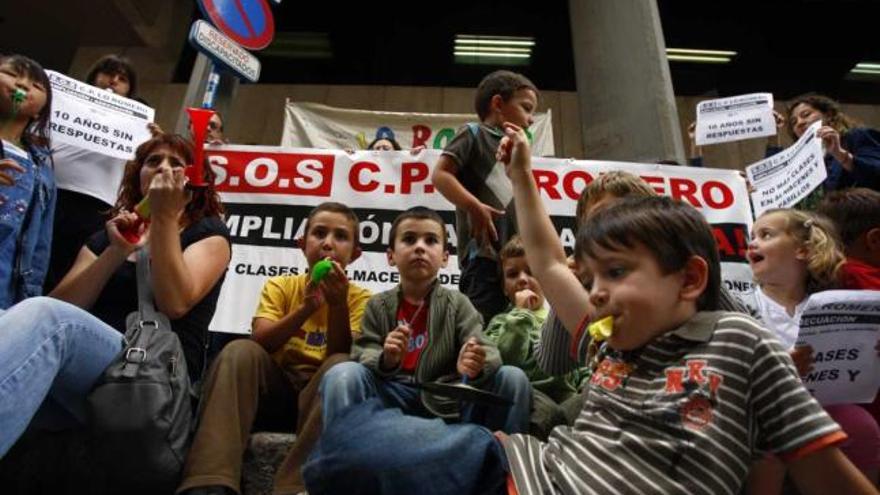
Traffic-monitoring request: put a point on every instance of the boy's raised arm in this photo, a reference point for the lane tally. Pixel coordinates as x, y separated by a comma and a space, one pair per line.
829, 471
544, 252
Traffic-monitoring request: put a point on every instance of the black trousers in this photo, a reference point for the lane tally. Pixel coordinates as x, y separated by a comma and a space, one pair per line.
481, 283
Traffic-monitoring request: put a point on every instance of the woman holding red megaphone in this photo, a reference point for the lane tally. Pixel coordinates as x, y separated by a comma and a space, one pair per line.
188, 241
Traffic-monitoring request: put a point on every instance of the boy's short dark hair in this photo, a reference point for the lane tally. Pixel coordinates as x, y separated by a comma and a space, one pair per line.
335, 207
500, 82
616, 183
853, 211
672, 230
114, 64
417, 213
513, 249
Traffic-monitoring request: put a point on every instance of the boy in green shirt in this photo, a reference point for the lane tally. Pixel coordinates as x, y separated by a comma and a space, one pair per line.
517, 332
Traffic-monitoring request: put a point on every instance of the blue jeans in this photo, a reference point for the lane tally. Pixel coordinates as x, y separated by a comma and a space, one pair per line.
371, 449
350, 383
51, 354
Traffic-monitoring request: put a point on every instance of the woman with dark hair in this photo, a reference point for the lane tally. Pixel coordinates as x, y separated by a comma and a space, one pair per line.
115, 73
852, 153
27, 183
52, 351
384, 143
87, 180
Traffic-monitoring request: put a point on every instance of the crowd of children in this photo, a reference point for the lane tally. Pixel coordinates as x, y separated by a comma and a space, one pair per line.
503, 386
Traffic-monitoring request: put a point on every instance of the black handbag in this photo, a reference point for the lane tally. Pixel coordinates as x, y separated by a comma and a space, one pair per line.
141, 409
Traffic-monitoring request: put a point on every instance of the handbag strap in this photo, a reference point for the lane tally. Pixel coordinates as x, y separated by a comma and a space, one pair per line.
145, 288
148, 311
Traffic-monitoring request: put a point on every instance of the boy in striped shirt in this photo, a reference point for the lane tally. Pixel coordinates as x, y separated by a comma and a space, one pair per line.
683, 396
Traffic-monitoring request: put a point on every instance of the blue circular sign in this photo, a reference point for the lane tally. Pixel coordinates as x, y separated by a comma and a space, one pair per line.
248, 22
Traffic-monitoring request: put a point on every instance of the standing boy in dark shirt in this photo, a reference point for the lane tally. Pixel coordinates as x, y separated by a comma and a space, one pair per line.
468, 175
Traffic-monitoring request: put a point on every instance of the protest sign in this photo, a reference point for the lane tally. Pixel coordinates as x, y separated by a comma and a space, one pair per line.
96, 120
735, 118
789, 176
842, 326
268, 193
312, 125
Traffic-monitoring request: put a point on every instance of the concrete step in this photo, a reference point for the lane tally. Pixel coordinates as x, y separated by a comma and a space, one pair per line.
264, 454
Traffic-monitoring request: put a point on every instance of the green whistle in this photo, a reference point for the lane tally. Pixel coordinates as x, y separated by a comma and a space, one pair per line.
321, 269
18, 97
143, 208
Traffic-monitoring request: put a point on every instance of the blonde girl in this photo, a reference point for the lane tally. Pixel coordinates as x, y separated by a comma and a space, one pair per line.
793, 254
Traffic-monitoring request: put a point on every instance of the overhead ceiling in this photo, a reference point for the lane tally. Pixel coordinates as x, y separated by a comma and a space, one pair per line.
785, 47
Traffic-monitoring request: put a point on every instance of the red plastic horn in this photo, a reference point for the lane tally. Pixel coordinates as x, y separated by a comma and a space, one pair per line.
199, 118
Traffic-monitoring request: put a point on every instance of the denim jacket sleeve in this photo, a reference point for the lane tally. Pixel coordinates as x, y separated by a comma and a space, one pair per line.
43, 224
27, 217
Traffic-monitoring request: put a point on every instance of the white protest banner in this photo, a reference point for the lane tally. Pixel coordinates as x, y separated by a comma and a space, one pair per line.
735, 118
97, 120
787, 177
842, 326
312, 125
269, 191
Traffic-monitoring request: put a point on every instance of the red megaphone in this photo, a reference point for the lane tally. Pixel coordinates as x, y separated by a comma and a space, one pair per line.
199, 118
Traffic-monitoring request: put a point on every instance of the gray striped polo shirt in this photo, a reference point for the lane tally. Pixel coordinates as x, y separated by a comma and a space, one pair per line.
686, 414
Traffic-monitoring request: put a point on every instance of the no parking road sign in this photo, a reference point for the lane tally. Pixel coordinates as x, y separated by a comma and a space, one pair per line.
248, 22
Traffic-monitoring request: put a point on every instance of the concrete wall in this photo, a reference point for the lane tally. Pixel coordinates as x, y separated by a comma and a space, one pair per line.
257, 114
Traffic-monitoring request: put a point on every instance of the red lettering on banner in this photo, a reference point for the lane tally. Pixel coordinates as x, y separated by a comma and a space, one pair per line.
547, 180
709, 194
726, 194
741, 242
411, 173
724, 246
274, 173
568, 183
421, 134
684, 188
356, 173
731, 240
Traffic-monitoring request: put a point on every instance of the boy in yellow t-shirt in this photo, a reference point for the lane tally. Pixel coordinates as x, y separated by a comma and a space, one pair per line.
300, 330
